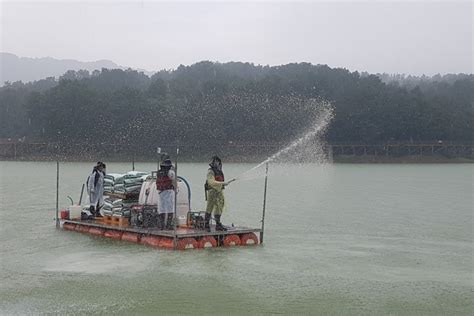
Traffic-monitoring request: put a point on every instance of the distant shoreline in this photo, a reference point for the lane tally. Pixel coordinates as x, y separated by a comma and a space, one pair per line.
401, 153
340, 159
414, 159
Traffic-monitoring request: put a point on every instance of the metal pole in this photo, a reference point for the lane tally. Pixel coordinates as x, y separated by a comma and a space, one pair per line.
175, 224
159, 157
57, 194
264, 202
82, 192
133, 162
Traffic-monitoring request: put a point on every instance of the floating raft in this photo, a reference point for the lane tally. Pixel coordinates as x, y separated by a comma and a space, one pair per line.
185, 238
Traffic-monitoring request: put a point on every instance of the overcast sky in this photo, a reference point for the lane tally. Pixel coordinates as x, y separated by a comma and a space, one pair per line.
412, 37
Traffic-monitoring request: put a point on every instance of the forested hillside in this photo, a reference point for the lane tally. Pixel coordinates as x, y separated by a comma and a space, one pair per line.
238, 102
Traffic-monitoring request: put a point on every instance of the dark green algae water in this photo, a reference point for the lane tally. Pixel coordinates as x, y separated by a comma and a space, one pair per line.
340, 239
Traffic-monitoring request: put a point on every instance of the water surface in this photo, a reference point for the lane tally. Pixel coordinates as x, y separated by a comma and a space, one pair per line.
339, 239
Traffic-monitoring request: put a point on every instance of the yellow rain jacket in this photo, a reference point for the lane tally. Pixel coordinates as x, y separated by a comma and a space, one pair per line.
215, 196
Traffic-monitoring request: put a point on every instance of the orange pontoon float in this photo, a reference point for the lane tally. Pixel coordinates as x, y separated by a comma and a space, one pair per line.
182, 238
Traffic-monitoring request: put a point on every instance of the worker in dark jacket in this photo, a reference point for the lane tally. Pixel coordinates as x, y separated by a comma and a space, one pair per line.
166, 184
95, 188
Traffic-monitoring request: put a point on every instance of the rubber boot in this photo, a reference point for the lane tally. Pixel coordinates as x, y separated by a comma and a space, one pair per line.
219, 225
162, 221
92, 210
97, 212
207, 219
169, 222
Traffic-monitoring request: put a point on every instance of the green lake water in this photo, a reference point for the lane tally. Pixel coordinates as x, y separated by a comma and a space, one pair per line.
339, 239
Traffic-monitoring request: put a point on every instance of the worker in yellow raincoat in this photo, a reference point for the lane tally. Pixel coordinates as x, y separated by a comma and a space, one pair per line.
215, 185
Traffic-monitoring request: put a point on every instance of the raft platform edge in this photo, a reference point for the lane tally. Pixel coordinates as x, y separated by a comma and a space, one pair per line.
180, 232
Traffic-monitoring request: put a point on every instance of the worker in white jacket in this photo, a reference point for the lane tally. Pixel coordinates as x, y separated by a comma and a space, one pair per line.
95, 188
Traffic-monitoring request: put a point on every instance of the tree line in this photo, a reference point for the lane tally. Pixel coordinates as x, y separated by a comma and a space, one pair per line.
218, 103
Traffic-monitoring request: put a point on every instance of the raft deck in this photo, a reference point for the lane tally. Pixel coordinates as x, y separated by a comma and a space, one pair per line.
181, 232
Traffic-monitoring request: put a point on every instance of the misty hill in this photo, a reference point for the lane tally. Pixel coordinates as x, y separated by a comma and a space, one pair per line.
212, 104
14, 68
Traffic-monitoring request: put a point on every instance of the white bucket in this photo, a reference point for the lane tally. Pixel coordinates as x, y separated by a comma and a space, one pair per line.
75, 211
